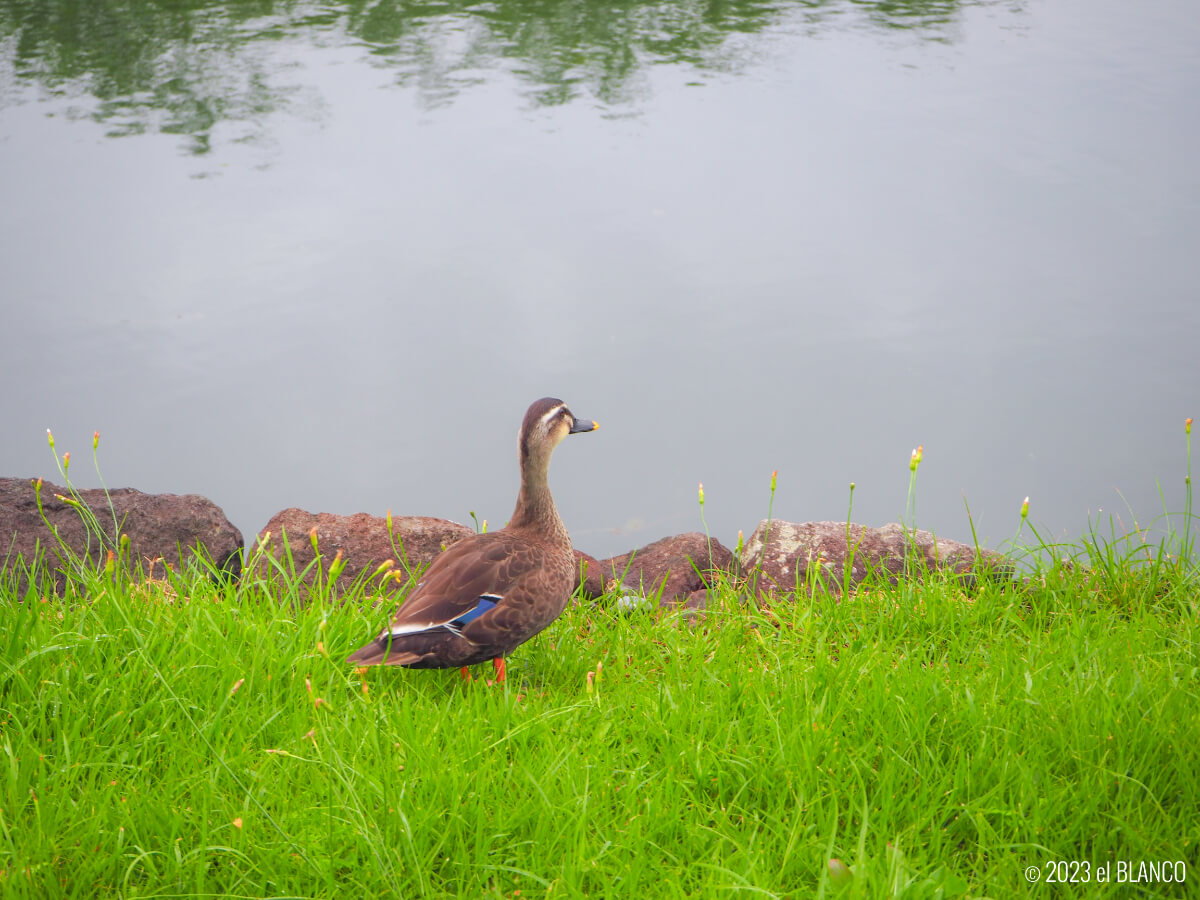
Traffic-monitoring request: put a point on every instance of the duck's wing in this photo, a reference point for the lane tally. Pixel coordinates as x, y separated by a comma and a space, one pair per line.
475, 584
480, 568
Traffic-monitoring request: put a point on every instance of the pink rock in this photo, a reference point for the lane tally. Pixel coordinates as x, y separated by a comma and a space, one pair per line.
172, 527
679, 565
364, 541
783, 556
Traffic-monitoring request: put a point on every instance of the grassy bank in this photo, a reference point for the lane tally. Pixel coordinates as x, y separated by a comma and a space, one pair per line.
180, 737
184, 739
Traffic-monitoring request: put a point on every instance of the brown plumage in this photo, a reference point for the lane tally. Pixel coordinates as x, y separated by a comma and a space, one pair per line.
491, 592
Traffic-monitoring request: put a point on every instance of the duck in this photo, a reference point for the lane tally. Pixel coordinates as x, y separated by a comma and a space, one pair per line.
489, 593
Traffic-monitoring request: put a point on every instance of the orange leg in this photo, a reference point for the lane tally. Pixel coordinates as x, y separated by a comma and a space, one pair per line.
498, 665
466, 675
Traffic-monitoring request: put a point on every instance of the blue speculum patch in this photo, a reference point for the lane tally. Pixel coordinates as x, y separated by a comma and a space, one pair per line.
485, 603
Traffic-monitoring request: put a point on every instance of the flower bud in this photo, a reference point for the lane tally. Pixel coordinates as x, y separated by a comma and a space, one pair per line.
1025, 508
95, 439
702, 493
1187, 425
50, 438
839, 873
916, 458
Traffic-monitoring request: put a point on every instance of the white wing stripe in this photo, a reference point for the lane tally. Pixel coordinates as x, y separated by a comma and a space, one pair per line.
452, 625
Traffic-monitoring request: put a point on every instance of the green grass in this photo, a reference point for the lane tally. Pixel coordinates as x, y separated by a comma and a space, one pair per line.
183, 737
938, 743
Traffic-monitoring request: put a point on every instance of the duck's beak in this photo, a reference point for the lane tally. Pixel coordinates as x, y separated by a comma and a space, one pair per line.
583, 425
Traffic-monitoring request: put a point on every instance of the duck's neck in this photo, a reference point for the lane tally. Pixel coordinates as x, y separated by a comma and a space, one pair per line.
535, 506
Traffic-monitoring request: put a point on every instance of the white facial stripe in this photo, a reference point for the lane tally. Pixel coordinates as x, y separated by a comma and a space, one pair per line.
551, 414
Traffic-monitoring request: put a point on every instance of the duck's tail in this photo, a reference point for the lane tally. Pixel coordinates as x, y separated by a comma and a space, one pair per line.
434, 648
382, 652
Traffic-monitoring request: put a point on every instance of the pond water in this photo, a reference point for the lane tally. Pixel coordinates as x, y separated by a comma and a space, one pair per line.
324, 254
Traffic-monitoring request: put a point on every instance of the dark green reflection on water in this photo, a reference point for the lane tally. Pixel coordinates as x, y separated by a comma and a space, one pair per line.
183, 66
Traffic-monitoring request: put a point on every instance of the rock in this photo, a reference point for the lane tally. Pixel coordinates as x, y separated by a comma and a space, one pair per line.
695, 607
633, 601
791, 554
591, 575
679, 565
173, 527
362, 539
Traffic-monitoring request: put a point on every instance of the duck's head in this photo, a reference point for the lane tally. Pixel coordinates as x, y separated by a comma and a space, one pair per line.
546, 423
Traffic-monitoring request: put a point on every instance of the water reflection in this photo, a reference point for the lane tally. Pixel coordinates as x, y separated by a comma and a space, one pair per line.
186, 66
